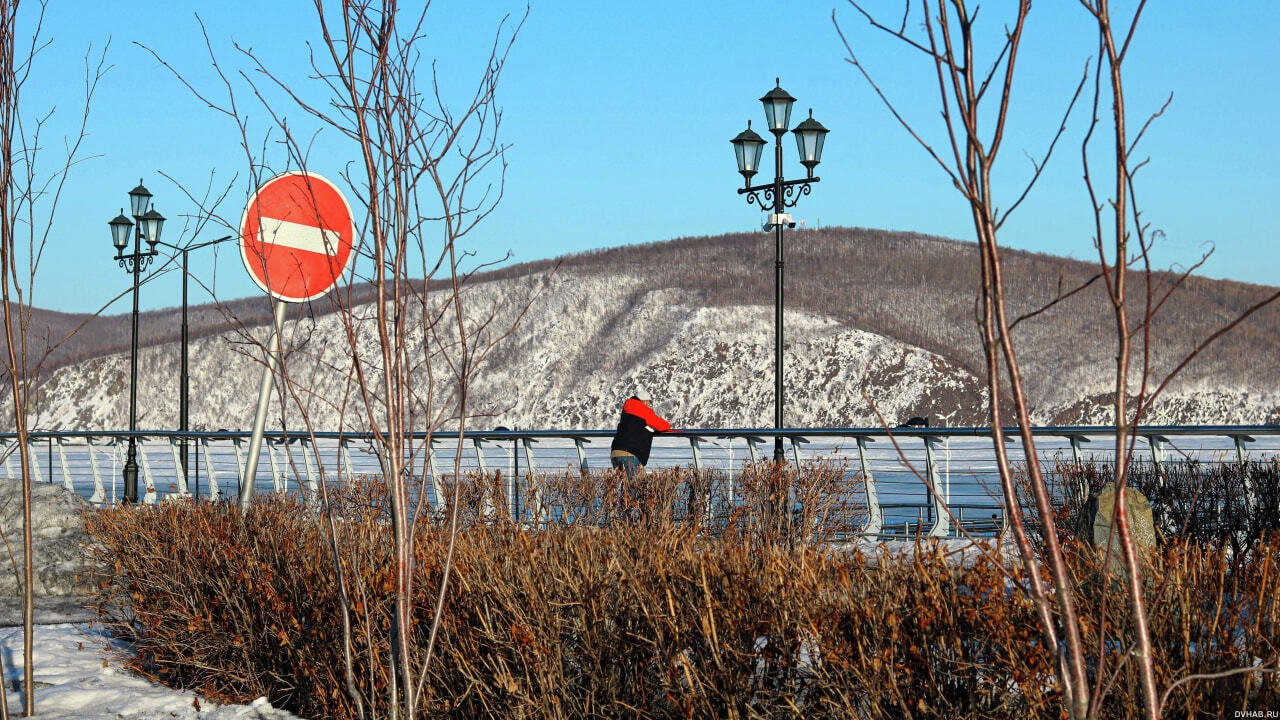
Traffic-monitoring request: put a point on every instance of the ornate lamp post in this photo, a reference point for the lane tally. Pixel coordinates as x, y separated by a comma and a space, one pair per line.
778, 196
146, 223
184, 376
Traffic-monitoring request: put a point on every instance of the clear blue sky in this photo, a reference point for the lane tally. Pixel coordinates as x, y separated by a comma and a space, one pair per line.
619, 117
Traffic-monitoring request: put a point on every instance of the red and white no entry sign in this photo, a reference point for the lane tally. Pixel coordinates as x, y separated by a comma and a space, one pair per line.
296, 236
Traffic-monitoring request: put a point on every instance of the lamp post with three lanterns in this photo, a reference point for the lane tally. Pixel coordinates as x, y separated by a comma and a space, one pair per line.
146, 223
777, 196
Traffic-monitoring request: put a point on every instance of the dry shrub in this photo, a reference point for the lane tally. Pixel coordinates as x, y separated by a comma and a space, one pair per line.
237, 607
1217, 504
762, 502
1208, 613
648, 618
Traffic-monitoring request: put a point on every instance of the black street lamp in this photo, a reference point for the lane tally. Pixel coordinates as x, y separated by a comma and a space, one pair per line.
184, 381
778, 196
146, 223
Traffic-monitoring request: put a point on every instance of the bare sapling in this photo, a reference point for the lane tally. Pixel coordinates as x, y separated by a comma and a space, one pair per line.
1115, 270
1120, 217
973, 137
421, 170
30, 188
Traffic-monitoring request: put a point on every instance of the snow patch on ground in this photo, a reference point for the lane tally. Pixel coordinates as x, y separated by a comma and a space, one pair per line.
79, 668
79, 675
57, 532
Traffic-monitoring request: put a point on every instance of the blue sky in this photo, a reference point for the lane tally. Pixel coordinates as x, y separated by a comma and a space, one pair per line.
619, 117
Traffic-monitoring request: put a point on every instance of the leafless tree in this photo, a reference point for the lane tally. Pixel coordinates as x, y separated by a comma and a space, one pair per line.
975, 142
976, 97
424, 171
30, 188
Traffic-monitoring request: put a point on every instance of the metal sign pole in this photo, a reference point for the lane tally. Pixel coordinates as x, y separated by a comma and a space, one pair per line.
264, 399
297, 239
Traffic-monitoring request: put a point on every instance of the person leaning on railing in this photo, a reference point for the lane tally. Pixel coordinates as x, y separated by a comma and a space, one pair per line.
634, 437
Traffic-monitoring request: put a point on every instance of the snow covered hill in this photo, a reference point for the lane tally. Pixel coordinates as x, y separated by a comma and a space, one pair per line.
584, 344
875, 322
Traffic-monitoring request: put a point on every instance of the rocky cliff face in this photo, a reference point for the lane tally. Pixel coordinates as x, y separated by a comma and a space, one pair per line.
583, 345
592, 341
879, 328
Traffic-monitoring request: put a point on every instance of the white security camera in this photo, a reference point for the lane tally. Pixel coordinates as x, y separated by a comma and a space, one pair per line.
776, 219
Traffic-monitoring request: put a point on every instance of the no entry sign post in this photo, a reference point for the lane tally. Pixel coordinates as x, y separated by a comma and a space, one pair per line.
296, 241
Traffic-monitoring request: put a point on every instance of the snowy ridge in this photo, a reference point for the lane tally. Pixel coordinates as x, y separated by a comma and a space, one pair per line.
587, 339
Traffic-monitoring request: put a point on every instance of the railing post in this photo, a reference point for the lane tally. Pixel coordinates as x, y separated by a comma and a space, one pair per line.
1242, 457
476, 444
539, 508
796, 442
532, 467
1157, 448
487, 509
730, 488
215, 491
875, 514
513, 481
437, 486
66, 469
794, 507
942, 521
277, 479
118, 461
291, 466
36, 476
695, 446
580, 444
195, 490
1157, 443
180, 478
238, 443
309, 462
1076, 455
99, 492
151, 495
753, 447
348, 472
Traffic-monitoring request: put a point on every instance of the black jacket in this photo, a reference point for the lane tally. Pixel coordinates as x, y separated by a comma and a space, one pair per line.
632, 436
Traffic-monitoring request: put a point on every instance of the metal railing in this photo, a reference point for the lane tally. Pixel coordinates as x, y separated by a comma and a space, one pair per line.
908, 478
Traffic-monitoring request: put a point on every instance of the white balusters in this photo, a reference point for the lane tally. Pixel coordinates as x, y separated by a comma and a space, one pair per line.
875, 514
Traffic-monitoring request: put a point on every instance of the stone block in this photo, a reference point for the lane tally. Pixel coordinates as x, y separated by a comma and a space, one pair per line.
1096, 525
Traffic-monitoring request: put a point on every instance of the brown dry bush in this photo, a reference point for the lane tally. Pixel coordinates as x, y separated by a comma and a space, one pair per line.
1208, 614
821, 503
653, 619
1217, 504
